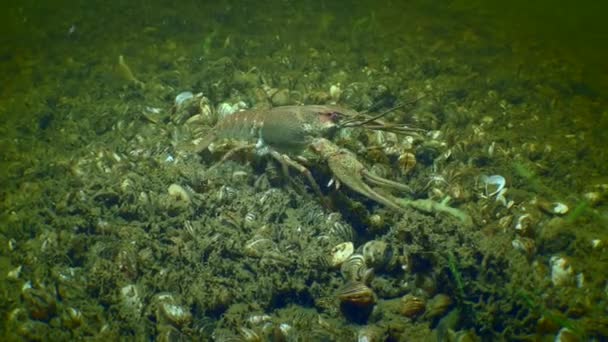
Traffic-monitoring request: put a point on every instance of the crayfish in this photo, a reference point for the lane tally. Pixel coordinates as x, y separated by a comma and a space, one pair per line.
287, 133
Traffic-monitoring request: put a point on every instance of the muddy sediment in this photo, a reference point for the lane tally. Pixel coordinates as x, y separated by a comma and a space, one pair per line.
113, 226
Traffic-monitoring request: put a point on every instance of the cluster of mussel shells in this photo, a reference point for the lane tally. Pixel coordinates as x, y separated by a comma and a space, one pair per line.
358, 269
192, 108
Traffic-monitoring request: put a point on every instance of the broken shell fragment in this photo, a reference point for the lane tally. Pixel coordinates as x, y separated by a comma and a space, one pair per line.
341, 253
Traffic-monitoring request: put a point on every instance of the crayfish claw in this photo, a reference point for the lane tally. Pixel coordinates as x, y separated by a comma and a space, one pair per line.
348, 170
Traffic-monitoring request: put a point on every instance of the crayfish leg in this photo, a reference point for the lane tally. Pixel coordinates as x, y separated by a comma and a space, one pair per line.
288, 162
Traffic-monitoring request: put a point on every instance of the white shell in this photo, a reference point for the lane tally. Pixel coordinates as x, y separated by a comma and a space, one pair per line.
131, 299
375, 253
14, 273
335, 92
493, 184
183, 97
207, 112
258, 246
341, 253
560, 208
562, 273
241, 105
174, 313
179, 193
224, 109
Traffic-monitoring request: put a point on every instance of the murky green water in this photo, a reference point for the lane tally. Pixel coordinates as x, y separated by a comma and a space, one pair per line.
117, 222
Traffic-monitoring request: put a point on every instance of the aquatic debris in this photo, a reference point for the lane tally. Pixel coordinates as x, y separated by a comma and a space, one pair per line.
430, 206
493, 184
125, 71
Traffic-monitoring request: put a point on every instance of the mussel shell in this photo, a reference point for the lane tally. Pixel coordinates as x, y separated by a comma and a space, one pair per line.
357, 294
378, 254
355, 269
438, 306
342, 232
412, 306
340, 253
357, 301
371, 333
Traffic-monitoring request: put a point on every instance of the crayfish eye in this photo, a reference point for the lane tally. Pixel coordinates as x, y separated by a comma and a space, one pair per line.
332, 117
